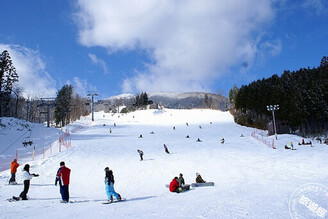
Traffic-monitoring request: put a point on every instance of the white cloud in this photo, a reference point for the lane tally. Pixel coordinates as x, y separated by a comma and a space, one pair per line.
191, 43
81, 86
34, 80
98, 61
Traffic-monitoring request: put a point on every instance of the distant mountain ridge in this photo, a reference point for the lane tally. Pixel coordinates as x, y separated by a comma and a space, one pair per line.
187, 100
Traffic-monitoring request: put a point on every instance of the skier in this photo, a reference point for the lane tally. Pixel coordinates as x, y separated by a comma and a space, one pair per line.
27, 176
109, 182
174, 185
140, 154
187, 124
63, 175
199, 178
166, 149
291, 145
110, 130
173, 127
181, 180
222, 140
140, 136
187, 136
200, 127
13, 170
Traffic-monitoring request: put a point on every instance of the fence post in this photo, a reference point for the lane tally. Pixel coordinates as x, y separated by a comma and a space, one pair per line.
50, 149
43, 152
33, 153
16, 154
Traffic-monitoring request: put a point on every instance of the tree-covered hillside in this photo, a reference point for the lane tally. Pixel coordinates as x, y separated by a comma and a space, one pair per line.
302, 96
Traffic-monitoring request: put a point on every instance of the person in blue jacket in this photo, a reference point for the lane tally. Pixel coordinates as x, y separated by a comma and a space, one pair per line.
109, 182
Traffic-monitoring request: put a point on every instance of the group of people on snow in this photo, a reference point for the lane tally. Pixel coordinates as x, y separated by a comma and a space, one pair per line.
63, 177
178, 183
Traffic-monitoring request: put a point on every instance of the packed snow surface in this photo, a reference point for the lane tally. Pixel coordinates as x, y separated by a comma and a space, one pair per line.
251, 179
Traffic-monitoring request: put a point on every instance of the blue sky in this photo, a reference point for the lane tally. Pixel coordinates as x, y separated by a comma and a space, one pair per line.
114, 47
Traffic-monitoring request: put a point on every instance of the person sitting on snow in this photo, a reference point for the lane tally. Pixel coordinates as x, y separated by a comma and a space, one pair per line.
199, 178
198, 140
181, 180
174, 185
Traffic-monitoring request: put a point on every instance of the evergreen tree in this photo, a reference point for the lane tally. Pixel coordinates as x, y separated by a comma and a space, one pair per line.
232, 94
63, 105
8, 76
324, 61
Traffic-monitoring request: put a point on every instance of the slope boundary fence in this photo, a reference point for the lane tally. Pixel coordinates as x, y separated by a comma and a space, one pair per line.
259, 136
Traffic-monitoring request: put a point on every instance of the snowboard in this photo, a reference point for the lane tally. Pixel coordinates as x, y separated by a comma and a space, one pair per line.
202, 184
185, 188
13, 199
167, 185
182, 188
114, 201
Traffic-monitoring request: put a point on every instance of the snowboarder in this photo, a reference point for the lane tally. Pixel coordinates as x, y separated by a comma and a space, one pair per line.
222, 140
27, 176
291, 145
13, 170
181, 180
110, 130
140, 136
152, 132
198, 140
166, 149
199, 178
140, 154
286, 147
114, 124
63, 175
174, 185
187, 136
200, 127
173, 127
187, 124
109, 182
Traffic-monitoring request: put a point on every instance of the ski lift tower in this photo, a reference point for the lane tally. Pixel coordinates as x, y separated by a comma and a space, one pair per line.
273, 108
49, 103
92, 94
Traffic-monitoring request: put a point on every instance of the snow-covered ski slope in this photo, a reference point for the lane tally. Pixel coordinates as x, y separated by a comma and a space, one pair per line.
251, 179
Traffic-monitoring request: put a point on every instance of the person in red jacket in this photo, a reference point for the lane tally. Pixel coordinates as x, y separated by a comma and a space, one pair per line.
174, 185
63, 174
13, 170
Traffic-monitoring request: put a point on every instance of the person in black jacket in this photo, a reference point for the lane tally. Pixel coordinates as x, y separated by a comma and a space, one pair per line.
109, 182
166, 149
140, 154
